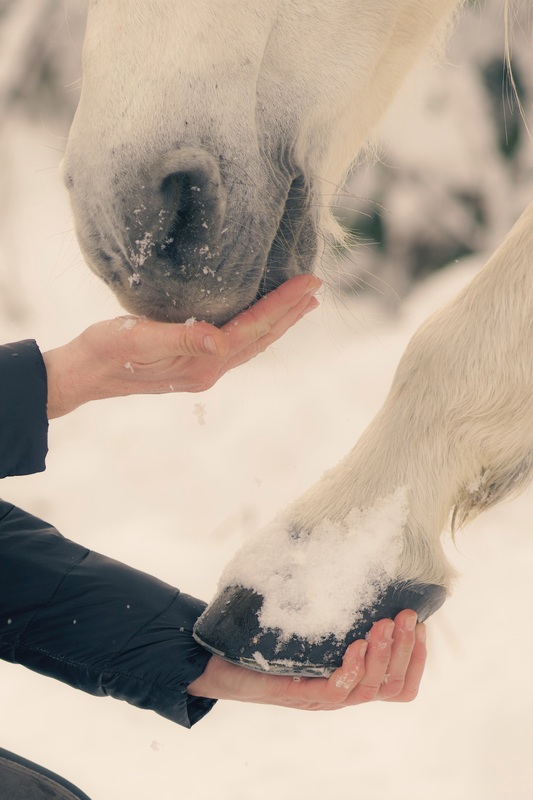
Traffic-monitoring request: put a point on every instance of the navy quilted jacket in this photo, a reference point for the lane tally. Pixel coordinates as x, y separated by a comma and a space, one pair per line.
71, 613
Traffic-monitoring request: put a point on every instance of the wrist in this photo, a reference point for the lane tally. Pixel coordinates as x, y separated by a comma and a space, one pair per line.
72, 379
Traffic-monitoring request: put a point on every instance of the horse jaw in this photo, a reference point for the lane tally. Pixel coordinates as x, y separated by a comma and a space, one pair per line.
282, 110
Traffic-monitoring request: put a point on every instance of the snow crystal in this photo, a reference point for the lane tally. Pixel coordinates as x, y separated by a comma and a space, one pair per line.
128, 323
190, 322
134, 278
346, 680
145, 246
127, 365
314, 583
261, 660
200, 412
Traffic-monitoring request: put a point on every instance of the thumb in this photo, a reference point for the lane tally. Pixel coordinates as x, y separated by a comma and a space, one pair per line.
196, 339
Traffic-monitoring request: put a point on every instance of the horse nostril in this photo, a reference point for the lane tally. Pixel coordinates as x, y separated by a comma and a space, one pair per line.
191, 204
186, 209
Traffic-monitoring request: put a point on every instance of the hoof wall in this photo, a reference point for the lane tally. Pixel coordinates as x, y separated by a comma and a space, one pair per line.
230, 628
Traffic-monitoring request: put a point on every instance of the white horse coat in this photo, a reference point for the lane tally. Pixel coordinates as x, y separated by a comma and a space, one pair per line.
201, 162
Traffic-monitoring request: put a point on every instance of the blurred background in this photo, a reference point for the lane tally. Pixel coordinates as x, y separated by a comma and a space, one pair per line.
177, 491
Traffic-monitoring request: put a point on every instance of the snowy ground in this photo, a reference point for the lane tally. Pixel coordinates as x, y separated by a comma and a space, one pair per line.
143, 480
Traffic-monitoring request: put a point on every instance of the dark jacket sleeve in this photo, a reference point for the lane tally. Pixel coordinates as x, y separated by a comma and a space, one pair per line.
94, 623
23, 420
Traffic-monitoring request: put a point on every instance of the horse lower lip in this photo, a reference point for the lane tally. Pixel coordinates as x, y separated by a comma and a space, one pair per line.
230, 628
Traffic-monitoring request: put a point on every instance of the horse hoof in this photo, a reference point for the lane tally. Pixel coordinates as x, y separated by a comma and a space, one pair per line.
230, 628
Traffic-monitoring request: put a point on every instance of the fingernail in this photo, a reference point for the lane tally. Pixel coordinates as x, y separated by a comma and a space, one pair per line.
209, 345
362, 649
410, 622
388, 631
315, 285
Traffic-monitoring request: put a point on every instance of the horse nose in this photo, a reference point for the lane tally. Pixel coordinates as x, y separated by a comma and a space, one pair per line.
187, 209
230, 628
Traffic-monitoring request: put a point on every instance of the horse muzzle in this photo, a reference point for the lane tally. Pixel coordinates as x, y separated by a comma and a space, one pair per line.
181, 237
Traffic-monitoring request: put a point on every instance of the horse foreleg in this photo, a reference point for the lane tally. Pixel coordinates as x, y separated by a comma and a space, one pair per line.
454, 436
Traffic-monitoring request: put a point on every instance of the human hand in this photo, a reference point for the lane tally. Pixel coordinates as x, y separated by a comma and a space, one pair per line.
132, 355
388, 666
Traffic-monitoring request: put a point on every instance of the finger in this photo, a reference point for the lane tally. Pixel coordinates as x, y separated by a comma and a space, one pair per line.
402, 648
287, 295
344, 680
258, 320
245, 354
264, 322
376, 662
308, 303
199, 339
415, 669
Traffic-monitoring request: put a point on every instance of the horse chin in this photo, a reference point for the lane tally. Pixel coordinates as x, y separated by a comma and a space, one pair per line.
164, 291
209, 300
175, 305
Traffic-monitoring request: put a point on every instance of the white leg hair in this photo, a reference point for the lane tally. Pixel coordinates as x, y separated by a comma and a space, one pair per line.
457, 427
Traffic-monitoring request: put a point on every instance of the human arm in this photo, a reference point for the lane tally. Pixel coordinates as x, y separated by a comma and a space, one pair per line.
111, 630
131, 355
108, 629
94, 623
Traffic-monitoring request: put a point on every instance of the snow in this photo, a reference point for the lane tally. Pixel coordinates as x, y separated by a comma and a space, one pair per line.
261, 660
128, 323
177, 500
307, 580
200, 412
145, 246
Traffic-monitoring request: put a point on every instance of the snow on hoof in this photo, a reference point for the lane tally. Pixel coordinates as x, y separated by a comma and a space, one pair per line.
230, 628
295, 596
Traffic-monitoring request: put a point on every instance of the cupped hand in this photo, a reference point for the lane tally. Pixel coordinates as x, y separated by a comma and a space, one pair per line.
132, 355
387, 666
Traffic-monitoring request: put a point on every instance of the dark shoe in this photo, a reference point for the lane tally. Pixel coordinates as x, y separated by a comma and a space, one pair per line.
23, 780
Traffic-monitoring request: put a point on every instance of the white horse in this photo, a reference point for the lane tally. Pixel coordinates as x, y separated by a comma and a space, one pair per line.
200, 164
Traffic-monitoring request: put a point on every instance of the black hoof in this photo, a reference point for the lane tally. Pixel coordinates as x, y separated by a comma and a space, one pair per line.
230, 628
